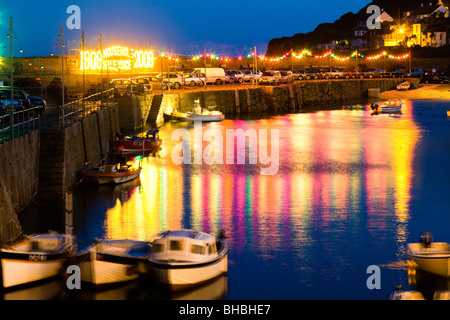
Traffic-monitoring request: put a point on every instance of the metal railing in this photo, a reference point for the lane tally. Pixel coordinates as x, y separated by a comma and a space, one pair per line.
71, 112
24, 121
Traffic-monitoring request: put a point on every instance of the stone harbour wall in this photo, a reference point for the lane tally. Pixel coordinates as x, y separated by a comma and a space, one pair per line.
19, 168
285, 98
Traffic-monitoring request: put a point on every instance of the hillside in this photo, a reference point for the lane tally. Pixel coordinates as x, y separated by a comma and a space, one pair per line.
339, 29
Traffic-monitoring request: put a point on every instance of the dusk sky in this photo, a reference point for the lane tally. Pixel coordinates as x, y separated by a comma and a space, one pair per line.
229, 27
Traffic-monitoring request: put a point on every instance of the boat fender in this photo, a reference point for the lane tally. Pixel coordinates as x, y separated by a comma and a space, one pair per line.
426, 239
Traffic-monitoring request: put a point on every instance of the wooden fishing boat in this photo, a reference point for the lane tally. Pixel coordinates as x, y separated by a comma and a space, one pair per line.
111, 261
388, 107
35, 257
185, 258
429, 256
111, 174
404, 86
147, 142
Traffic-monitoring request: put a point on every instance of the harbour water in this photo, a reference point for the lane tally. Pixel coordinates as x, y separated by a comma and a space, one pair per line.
351, 190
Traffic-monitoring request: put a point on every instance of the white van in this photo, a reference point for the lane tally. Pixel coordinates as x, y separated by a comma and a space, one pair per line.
213, 75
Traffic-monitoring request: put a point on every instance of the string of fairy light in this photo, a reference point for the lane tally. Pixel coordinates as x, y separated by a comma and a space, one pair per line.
226, 58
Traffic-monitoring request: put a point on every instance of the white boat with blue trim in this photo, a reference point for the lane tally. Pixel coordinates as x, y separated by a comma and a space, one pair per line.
35, 257
111, 261
185, 258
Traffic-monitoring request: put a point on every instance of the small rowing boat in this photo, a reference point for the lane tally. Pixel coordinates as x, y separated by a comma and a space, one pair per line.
404, 86
388, 107
429, 256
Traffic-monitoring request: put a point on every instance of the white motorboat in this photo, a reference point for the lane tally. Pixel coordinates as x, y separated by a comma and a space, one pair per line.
35, 257
112, 261
404, 86
429, 256
185, 258
387, 107
207, 116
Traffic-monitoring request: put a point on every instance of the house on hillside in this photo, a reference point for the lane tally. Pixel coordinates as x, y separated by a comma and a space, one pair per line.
437, 35
429, 9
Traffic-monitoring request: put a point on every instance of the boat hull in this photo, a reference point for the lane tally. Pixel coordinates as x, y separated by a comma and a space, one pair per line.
99, 269
20, 270
110, 177
179, 276
111, 264
430, 259
206, 118
34, 258
136, 145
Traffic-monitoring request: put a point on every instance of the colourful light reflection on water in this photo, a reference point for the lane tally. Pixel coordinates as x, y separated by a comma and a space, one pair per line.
343, 175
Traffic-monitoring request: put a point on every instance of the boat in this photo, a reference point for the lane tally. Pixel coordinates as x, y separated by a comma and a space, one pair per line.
448, 113
178, 116
35, 257
388, 107
407, 295
186, 258
111, 174
108, 262
404, 86
429, 256
147, 142
207, 116
198, 114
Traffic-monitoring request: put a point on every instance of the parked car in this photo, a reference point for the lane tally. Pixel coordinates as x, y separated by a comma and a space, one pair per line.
248, 75
299, 74
152, 81
235, 75
352, 74
193, 80
434, 78
333, 73
415, 73
213, 75
126, 85
313, 73
5, 98
286, 76
172, 80
19, 95
270, 77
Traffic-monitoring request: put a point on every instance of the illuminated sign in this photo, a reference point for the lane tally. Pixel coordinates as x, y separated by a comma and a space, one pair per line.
116, 58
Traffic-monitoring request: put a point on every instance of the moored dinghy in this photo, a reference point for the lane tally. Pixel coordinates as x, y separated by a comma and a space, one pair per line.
185, 258
388, 107
35, 257
111, 261
404, 86
429, 256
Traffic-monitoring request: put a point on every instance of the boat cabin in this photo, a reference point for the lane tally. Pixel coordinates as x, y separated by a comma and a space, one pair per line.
185, 245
